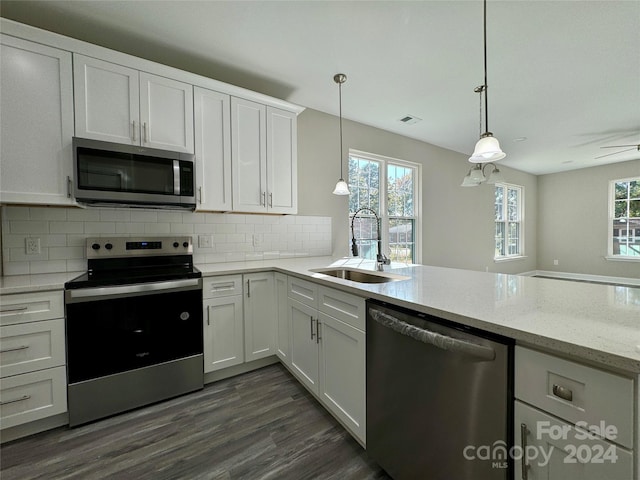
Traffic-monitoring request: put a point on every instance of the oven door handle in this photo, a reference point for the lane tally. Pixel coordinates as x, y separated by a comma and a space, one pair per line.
122, 291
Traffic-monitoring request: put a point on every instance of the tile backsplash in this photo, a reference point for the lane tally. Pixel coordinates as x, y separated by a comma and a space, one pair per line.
56, 236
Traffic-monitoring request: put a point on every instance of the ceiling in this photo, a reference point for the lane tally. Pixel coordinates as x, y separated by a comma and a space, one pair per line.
565, 75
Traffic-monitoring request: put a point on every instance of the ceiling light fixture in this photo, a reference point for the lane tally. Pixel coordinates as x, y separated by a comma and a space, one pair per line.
488, 148
341, 187
477, 175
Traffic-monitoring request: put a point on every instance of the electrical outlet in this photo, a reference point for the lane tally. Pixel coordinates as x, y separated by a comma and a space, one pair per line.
257, 239
204, 241
32, 246
555, 262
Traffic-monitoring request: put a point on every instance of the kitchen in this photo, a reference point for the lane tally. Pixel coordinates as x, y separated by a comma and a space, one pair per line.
442, 201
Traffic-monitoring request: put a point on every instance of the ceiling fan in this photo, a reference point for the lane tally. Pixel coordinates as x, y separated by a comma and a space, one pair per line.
633, 147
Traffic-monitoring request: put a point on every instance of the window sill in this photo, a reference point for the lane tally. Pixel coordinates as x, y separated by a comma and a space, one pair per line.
509, 259
619, 258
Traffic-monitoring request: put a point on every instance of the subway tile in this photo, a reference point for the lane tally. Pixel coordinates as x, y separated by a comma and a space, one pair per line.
190, 217
76, 240
214, 218
246, 228
157, 228
236, 218
48, 214
10, 240
15, 268
253, 256
55, 240
48, 267
181, 228
235, 257
21, 226
67, 227
115, 215
170, 217
88, 214
203, 228
215, 258
309, 228
94, 228
130, 228
144, 216
19, 254
76, 265
11, 212
224, 228
66, 253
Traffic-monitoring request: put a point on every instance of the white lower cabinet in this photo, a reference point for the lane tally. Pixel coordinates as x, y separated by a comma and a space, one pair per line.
259, 316
223, 322
283, 342
33, 383
327, 331
571, 421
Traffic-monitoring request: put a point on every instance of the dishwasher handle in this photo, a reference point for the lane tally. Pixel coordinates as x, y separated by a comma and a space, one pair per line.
438, 340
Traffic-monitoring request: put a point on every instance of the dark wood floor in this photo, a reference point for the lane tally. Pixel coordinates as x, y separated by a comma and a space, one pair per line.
260, 425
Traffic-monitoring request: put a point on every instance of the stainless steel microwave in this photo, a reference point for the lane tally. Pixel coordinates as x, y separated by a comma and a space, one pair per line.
116, 174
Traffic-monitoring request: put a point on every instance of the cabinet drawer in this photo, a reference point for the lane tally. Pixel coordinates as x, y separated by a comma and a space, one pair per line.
343, 306
31, 346
225, 286
303, 291
576, 392
32, 396
30, 307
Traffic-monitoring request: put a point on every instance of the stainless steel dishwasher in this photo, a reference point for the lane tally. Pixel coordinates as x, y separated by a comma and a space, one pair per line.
439, 397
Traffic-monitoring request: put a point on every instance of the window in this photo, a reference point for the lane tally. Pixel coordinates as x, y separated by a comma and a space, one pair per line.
508, 217
389, 187
624, 218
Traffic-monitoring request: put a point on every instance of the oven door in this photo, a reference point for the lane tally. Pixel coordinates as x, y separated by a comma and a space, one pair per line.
122, 328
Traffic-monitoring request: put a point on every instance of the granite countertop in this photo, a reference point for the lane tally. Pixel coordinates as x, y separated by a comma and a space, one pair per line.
593, 322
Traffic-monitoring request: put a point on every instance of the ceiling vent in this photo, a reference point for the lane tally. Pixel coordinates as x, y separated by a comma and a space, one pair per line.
410, 119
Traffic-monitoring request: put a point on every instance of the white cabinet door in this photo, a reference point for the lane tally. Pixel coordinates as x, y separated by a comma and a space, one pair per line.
304, 344
213, 149
248, 151
557, 451
223, 333
283, 341
107, 101
282, 161
342, 372
36, 123
259, 316
166, 113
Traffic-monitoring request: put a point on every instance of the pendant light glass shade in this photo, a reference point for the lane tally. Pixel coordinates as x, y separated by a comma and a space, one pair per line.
341, 188
487, 150
495, 177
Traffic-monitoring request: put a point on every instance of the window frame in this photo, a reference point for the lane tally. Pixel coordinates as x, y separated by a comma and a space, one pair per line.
384, 161
611, 216
506, 222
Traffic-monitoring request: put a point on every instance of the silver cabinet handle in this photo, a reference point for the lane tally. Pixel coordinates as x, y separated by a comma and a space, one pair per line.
14, 349
271, 199
208, 314
249, 288
432, 338
21, 399
311, 325
144, 131
318, 330
21, 308
562, 392
133, 130
523, 439
201, 196
69, 182
264, 199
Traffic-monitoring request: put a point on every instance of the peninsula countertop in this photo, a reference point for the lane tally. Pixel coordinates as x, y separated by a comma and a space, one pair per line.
594, 322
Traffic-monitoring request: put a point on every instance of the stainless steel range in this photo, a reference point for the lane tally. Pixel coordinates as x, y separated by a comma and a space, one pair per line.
133, 326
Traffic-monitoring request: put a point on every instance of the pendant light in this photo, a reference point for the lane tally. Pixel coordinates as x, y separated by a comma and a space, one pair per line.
488, 148
341, 187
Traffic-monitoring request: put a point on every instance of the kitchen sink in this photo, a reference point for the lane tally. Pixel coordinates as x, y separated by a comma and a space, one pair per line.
360, 276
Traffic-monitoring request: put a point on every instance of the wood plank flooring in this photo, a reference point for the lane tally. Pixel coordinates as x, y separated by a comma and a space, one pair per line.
260, 425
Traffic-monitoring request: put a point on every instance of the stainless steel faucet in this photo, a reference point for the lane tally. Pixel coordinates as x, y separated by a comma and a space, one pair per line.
381, 259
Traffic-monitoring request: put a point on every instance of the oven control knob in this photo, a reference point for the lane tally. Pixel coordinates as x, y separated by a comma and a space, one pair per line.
185, 244
96, 246
175, 244
108, 246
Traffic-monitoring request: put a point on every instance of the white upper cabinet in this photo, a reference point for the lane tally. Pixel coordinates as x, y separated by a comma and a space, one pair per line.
282, 161
119, 104
264, 153
213, 149
37, 123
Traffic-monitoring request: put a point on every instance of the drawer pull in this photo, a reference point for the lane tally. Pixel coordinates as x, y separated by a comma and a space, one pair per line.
21, 308
15, 400
14, 349
562, 392
524, 431
223, 287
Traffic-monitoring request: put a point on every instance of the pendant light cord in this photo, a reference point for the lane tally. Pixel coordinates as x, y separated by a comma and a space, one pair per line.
341, 147
486, 95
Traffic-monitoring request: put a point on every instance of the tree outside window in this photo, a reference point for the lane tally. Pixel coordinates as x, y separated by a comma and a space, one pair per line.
390, 188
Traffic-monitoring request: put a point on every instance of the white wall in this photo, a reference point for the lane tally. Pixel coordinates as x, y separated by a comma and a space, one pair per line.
457, 222
573, 221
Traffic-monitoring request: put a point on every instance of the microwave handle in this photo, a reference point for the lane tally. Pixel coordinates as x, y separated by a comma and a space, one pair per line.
176, 177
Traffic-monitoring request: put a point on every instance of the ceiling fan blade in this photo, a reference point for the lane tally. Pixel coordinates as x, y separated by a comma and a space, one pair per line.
619, 146
616, 153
